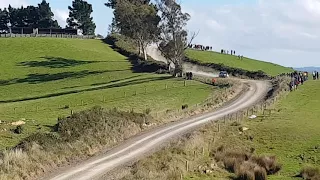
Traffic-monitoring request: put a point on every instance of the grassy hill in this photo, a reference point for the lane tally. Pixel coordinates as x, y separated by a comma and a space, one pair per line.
291, 133
233, 61
43, 78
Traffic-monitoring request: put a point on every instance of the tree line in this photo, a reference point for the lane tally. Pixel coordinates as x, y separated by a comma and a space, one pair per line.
162, 22
41, 16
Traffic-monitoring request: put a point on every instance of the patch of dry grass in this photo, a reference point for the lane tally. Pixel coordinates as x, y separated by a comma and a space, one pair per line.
246, 165
310, 173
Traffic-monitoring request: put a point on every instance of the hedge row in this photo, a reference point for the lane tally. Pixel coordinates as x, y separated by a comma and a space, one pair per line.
237, 72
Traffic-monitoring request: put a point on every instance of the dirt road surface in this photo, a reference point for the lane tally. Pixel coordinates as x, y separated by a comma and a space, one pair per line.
138, 146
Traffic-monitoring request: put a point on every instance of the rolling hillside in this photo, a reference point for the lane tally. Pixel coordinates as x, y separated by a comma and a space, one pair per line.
43, 78
233, 61
291, 133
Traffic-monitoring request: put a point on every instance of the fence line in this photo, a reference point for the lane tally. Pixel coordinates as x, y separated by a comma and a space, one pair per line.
102, 100
48, 35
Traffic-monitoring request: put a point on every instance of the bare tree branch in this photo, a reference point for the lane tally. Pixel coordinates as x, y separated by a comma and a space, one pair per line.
193, 36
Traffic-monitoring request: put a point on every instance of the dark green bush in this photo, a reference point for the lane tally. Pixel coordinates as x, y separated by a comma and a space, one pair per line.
18, 130
185, 106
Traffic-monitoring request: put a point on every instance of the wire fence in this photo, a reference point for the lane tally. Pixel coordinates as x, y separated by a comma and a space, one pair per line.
218, 97
102, 100
48, 35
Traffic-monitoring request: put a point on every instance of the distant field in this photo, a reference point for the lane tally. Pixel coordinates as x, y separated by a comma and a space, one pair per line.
43, 78
233, 61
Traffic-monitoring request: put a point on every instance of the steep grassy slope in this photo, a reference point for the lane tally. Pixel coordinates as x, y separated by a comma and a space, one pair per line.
233, 61
42, 79
291, 133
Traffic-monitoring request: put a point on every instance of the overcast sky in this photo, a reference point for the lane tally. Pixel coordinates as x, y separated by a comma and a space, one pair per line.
286, 32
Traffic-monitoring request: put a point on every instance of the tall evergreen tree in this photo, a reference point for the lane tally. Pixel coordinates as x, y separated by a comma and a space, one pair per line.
46, 16
31, 16
4, 19
80, 17
13, 16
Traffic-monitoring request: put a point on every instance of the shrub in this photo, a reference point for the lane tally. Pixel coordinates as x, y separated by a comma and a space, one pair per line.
245, 174
232, 164
147, 111
310, 173
18, 130
269, 163
185, 106
246, 166
260, 173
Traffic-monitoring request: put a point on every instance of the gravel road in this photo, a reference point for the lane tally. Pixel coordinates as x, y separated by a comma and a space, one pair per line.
140, 145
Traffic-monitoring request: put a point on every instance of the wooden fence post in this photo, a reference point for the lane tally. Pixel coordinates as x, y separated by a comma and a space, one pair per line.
187, 165
202, 151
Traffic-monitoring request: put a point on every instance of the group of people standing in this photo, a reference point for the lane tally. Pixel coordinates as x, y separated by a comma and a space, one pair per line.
315, 75
232, 52
297, 78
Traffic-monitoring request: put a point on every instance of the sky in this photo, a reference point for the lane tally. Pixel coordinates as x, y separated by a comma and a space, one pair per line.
285, 32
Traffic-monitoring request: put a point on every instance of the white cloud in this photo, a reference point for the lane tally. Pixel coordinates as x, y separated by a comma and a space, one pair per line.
285, 32
13, 3
61, 16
